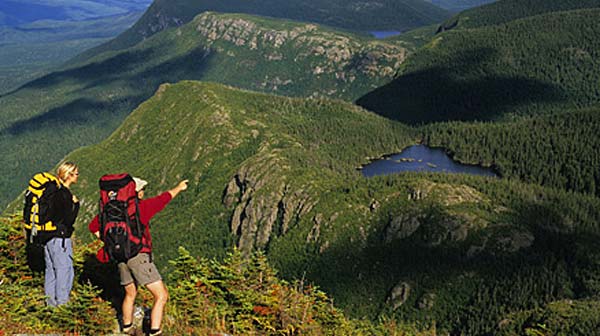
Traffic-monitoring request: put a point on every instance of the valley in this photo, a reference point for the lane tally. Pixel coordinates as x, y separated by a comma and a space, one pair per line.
38, 37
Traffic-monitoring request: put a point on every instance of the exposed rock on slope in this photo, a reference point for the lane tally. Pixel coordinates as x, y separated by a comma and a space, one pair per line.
344, 56
263, 202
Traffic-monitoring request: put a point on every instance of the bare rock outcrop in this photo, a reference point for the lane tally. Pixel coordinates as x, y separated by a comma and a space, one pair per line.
339, 55
263, 201
447, 194
512, 240
398, 295
402, 226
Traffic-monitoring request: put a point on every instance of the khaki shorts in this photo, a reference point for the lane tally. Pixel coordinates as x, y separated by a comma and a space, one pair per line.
139, 269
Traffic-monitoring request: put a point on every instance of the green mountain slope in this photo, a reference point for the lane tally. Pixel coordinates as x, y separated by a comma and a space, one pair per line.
47, 118
560, 151
545, 63
355, 15
454, 252
504, 11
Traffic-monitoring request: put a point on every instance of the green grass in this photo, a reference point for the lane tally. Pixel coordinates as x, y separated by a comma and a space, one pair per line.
236, 295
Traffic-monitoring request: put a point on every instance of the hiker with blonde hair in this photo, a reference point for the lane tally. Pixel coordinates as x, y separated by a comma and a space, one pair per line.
58, 251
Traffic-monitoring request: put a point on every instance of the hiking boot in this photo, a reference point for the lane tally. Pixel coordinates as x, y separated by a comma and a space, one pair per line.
130, 330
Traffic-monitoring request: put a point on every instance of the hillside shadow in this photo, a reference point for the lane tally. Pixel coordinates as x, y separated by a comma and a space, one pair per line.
87, 110
80, 112
462, 89
557, 265
111, 67
104, 277
189, 66
127, 67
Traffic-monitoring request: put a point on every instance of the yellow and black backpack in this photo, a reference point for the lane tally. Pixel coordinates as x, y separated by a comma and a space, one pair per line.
38, 200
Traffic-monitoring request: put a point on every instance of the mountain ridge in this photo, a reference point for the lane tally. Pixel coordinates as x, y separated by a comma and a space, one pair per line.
354, 15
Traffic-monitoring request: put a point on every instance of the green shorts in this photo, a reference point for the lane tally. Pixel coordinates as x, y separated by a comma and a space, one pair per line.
139, 269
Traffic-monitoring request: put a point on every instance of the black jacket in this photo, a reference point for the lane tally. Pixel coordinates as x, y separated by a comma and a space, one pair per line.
63, 212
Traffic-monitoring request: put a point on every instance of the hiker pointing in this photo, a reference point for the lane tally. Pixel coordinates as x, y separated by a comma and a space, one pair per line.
123, 225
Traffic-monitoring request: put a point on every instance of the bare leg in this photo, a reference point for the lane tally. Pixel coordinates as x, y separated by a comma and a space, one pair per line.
159, 291
128, 301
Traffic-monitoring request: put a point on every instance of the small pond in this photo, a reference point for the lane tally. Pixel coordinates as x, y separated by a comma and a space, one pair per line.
384, 34
421, 158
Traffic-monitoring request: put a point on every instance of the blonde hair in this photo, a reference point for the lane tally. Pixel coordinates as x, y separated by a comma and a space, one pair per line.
65, 169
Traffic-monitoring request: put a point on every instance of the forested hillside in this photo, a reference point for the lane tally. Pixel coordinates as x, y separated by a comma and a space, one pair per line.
546, 63
47, 118
459, 254
504, 11
278, 223
356, 15
560, 151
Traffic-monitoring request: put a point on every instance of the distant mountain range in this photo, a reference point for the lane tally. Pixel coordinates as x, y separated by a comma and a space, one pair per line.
18, 12
536, 73
37, 35
356, 15
279, 170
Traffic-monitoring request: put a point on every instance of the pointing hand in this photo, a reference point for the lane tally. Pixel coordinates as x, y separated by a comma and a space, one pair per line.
183, 185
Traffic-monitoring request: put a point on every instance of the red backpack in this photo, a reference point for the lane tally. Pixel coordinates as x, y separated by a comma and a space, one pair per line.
120, 227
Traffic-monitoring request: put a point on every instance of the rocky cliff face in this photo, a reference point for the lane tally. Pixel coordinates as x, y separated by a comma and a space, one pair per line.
263, 202
339, 55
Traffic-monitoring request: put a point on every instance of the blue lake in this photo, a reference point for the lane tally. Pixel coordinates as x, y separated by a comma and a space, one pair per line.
420, 158
384, 34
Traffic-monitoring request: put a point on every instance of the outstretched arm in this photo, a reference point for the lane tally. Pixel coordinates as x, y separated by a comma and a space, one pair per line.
179, 188
150, 207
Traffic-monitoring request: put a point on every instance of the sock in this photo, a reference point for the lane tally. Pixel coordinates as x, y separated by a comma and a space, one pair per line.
155, 332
